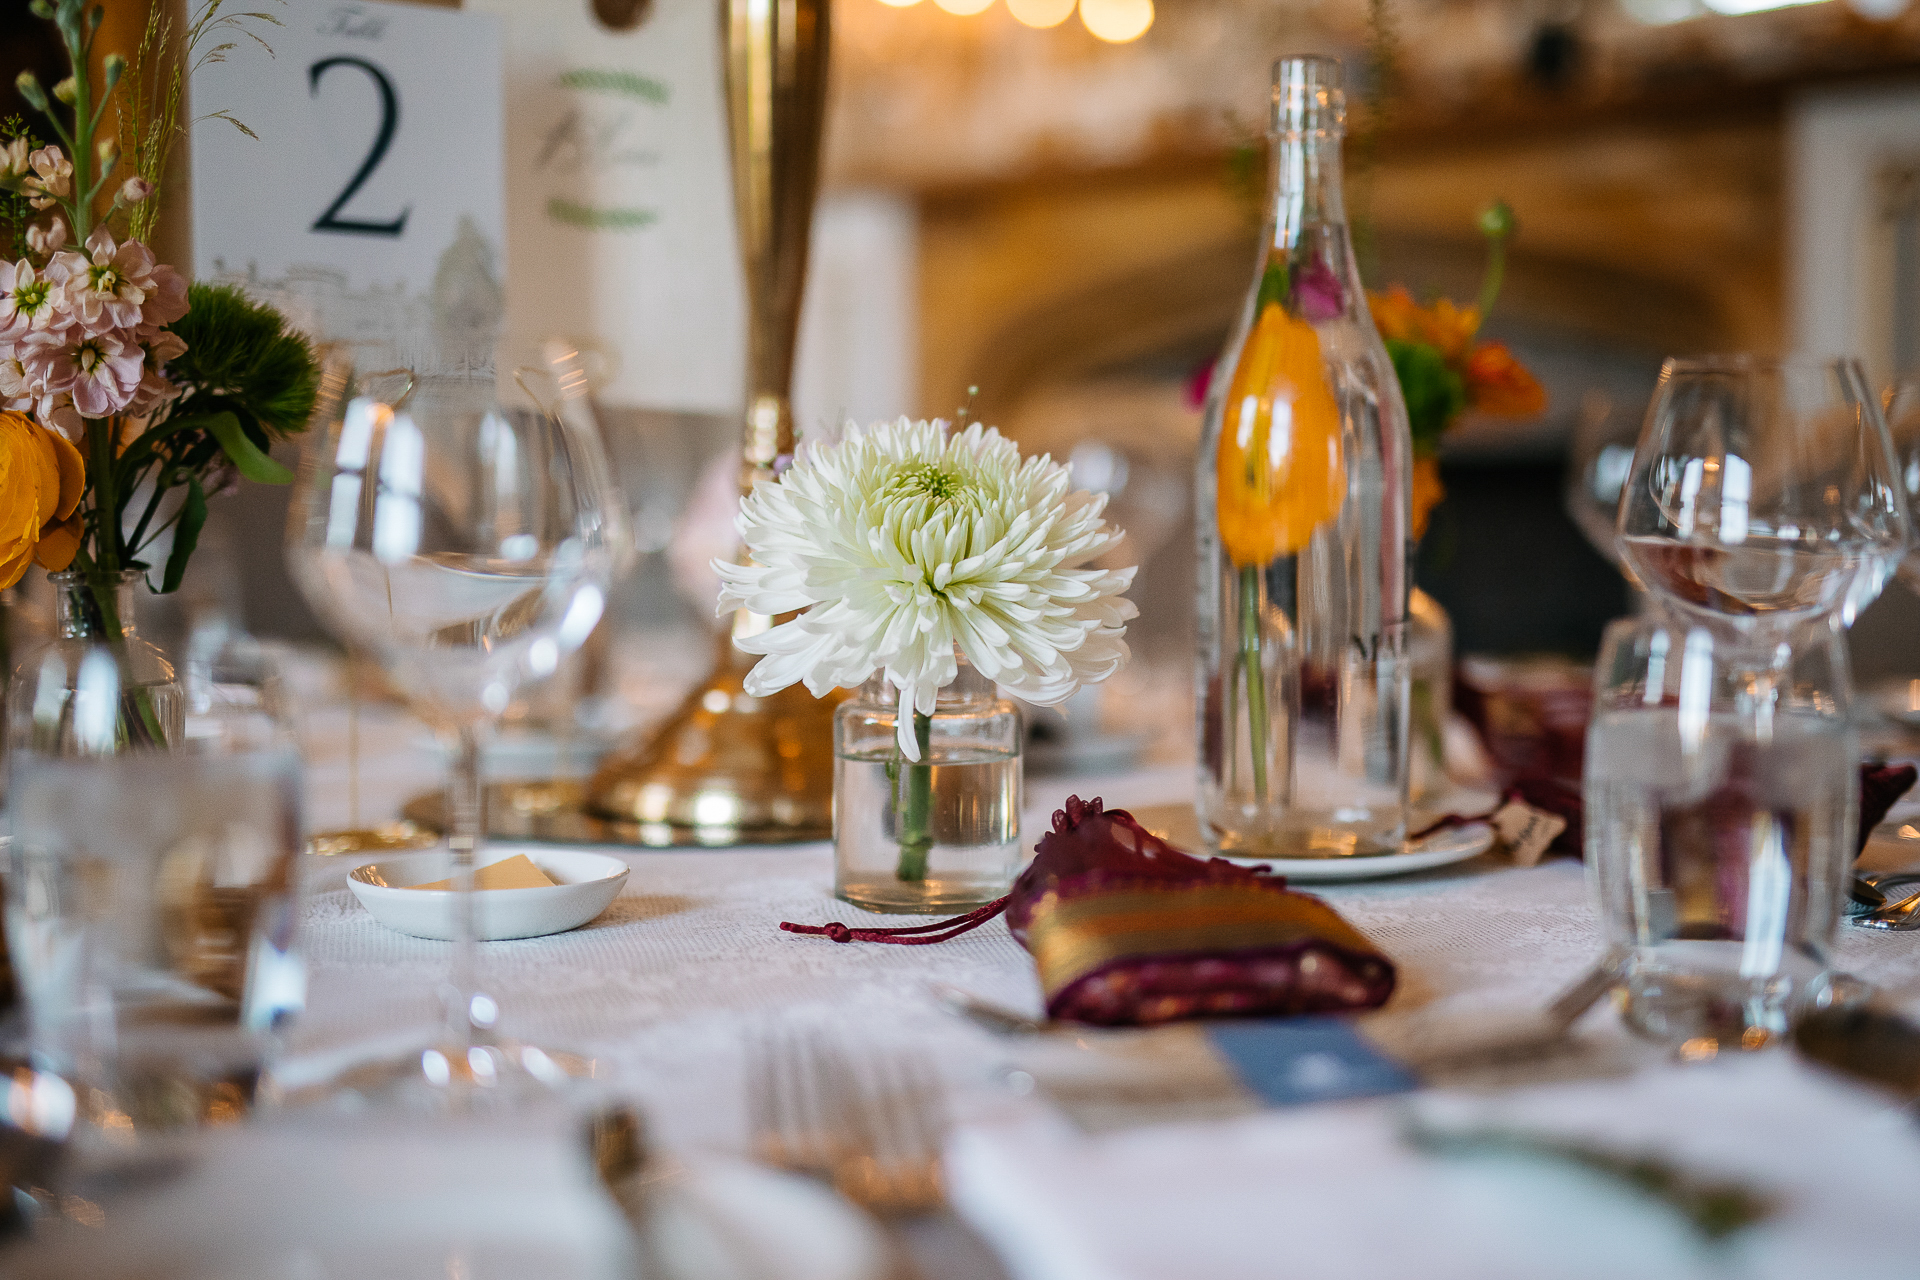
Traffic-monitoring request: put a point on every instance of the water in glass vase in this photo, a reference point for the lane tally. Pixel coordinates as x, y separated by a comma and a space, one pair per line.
938, 837
1720, 859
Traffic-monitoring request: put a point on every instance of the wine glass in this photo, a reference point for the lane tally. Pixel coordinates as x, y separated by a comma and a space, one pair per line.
1902, 402
1763, 494
463, 531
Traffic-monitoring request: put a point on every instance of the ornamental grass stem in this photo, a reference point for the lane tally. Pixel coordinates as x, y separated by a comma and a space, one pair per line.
914, 805
1256, 680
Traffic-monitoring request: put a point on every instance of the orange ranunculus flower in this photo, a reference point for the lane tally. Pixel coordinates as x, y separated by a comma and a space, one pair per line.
1498, 383
1280, 470
1442, 325
1427, 492
41, 479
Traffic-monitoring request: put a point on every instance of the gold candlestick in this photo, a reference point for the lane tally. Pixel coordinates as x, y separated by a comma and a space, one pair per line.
729, 768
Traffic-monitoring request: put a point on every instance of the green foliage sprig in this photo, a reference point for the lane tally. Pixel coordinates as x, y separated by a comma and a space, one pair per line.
246, 382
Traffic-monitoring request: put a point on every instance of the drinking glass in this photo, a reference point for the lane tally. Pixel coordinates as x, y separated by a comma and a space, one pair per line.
1902, 401
153, 897
1763, 494
1721, 813
462, 531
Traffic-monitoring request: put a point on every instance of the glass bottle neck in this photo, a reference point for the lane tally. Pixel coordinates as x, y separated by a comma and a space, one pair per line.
1304, 187
1307, 244
84, 614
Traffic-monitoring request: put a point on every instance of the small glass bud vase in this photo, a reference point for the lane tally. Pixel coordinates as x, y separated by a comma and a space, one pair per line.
933, 837
98, 688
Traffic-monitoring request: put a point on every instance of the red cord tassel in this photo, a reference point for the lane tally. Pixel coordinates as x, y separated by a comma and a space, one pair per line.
953, 928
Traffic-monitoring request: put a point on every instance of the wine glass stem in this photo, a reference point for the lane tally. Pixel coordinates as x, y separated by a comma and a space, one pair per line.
464, 834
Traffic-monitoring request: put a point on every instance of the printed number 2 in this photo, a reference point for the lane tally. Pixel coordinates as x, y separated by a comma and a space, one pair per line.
389, 121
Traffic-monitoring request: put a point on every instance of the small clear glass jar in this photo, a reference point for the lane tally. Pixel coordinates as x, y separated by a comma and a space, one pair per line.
935, 837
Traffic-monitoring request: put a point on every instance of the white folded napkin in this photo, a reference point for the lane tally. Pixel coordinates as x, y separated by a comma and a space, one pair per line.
1333, 1191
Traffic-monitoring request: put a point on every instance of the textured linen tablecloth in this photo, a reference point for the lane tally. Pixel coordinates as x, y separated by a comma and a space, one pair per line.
664, 989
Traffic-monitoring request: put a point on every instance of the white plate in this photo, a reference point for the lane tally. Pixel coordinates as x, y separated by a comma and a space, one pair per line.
1455, 844
585, 884
1177, 825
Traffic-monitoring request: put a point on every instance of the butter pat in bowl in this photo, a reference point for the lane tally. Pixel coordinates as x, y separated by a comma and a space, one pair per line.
414, 895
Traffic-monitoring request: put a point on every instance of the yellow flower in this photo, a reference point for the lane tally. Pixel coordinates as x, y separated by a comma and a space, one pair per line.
41, 479
1442, 325
1280, 472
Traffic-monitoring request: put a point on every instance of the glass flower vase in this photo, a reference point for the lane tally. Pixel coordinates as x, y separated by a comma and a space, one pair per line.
1304, 528
98, 688
940, 835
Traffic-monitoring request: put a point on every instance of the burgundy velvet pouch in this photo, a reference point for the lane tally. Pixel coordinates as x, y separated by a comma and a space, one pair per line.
1126, 929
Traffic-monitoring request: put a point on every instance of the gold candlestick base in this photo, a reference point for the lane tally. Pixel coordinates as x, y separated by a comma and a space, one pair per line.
736, 768
392, 837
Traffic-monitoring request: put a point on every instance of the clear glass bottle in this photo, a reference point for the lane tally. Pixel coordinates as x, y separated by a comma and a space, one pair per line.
1302, 504
935, 837
1430, 662
99, 688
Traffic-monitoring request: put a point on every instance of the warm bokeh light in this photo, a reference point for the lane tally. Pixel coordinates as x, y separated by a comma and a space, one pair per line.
965, 7
1041, 13
1117, 21
900, 4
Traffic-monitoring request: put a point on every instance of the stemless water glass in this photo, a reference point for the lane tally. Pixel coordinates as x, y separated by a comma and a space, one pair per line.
463, 532
1720, 819
152, 897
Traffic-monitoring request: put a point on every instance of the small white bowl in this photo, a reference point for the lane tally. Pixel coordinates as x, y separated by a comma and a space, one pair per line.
585, 883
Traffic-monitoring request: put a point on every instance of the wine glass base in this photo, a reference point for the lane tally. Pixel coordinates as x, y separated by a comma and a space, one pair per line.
446, 1076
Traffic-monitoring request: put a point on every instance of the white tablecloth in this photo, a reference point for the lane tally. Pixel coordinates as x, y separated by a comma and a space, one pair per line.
664, 988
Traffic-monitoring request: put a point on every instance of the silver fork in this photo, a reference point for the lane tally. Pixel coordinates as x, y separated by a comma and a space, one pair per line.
873, 1127
796, 1113
897, 1109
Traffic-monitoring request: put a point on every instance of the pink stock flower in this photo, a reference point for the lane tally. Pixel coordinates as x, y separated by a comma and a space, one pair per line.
52, 176
29, 301
101, 371
57, 411
48, 239
13, 159
156, 389
16, 384
107, 286
134, 190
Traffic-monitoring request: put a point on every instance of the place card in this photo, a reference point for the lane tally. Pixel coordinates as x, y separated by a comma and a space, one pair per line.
1527, 831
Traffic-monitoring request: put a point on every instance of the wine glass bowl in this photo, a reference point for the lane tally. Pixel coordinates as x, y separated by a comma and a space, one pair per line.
1902, 401
453, 540
1763, 492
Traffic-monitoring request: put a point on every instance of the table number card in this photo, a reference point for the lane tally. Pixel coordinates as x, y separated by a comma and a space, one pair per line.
619, 200
369, 207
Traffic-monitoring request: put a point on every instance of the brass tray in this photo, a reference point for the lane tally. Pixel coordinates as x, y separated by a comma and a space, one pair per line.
553, 811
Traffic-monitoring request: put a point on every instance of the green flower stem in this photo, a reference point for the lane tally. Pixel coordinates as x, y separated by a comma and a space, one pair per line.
914, 805
1256, 681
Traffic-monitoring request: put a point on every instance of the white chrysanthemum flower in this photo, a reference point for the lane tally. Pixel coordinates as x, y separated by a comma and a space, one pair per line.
901, 542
